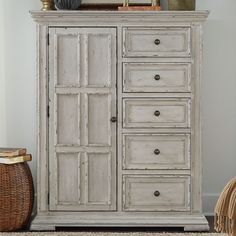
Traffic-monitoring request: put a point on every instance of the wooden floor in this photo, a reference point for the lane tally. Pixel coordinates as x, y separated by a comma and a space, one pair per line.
171, 230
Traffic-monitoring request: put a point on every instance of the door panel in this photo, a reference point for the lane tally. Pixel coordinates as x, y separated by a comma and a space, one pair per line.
68, 119
99, 171
99, 132
99, 71
67, 59
68, 178
82, 100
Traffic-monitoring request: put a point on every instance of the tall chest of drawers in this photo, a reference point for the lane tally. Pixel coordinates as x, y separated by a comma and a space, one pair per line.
119, 125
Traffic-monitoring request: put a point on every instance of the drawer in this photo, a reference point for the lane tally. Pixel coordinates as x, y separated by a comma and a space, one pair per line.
150, 152
156, 193
156, 77
155, 113
156, 42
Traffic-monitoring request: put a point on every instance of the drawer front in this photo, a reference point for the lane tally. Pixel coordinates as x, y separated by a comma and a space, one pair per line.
150, 152
154, 113
156, 42
147, 77
156, 193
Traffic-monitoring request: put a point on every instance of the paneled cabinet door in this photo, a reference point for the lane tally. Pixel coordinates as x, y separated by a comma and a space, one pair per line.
82, 136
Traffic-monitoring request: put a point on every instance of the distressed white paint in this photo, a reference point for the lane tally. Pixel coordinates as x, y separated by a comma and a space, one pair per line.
139, 193
69, 170
82, 101
140, 113
173, 42
179, 113
141, 77
139, 151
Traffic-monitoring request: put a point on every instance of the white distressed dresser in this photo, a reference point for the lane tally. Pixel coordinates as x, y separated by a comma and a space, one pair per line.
119, 138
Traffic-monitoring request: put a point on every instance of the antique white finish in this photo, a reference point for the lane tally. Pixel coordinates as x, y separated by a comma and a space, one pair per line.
152, 151
82, 99
119, 139
157, 77
150, 113
172, 193
141, 42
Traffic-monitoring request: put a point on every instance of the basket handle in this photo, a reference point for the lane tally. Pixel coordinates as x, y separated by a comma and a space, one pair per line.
153, 3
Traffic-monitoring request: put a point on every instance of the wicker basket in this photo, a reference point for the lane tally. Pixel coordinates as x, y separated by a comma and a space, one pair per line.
16, 196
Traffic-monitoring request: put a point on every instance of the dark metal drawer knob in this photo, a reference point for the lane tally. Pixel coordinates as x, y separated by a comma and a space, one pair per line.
157, 152
157, 113
157, 41
156, 193
157, 77
114, 119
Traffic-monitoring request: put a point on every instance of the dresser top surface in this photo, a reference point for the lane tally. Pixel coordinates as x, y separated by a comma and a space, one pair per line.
117, 16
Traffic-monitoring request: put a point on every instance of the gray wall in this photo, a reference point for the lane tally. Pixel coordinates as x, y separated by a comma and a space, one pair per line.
18, 88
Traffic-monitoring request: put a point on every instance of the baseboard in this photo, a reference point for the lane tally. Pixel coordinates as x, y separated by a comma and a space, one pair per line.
209, 202
51, 220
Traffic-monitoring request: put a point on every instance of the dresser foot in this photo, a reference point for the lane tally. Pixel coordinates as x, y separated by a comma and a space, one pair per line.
36, 227
39, 224
198, 228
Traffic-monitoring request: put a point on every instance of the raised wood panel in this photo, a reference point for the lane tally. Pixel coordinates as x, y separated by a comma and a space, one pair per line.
68, 119
68, 186
140, 42
139, 151
99, 182
67, 65
140, 113
99, 71
139, 193
99, 124
173, 77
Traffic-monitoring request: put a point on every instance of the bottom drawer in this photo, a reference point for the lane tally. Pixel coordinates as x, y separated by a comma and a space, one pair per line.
156, 193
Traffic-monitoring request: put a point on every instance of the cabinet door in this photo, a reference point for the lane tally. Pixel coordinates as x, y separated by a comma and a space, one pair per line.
82, 100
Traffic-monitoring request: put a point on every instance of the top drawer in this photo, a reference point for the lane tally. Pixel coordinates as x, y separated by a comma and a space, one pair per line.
156, 42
